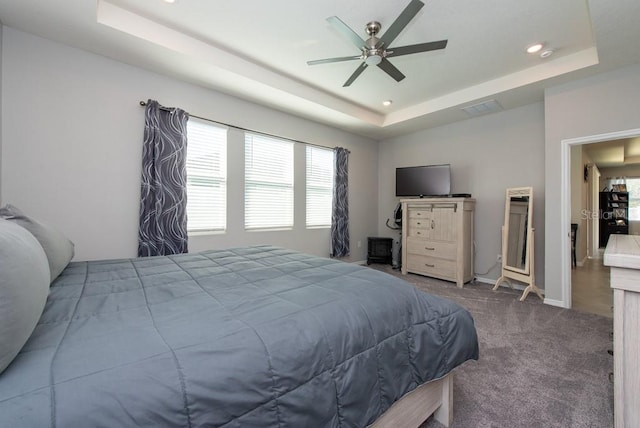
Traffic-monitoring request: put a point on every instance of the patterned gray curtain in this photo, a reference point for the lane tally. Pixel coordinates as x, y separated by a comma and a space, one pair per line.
340, 209
163, 201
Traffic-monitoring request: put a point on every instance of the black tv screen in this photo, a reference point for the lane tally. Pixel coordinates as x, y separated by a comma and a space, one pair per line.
428, 180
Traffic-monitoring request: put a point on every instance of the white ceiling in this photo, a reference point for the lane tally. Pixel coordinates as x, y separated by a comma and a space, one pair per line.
257, 50
616, 153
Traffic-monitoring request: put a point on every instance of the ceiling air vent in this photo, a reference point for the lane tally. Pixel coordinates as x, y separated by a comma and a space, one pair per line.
484, 107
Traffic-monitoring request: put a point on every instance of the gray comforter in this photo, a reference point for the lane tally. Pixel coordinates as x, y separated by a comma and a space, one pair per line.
247, 337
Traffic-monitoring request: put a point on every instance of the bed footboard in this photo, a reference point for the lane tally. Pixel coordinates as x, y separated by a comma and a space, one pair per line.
432, 398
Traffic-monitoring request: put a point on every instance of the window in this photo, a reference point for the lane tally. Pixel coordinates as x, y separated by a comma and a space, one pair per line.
206, 176
319, 186
268, 184
633, 187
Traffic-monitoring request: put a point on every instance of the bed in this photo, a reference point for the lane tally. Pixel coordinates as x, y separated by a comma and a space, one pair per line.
254, 336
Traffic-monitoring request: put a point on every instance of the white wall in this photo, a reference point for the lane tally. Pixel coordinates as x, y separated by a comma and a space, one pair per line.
627, 171
487, 154
579, 200
601, 104
576, 183
72, 148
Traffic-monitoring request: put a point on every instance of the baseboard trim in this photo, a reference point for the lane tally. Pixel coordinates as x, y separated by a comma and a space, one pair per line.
485, 280
504, 284
554, 302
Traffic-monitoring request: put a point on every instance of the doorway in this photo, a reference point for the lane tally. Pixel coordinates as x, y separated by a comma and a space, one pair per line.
566, 202
590, 291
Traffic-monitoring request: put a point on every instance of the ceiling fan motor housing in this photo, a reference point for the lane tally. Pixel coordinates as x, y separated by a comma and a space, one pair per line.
370, 53
373, 28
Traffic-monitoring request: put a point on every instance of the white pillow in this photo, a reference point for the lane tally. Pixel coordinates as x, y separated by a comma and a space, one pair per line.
24, 287
57, 247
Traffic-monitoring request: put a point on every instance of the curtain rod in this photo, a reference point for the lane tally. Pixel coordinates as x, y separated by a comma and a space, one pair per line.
144, 103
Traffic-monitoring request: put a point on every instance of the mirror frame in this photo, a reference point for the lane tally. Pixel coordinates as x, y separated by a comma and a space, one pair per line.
518, 192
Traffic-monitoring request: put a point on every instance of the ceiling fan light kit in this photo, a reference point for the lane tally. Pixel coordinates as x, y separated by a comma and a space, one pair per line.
373, 59
375, 51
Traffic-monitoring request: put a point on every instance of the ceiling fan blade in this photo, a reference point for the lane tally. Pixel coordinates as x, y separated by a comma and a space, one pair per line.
421, 47
355, 74
346, 31
398, 25
329, 60
391, 70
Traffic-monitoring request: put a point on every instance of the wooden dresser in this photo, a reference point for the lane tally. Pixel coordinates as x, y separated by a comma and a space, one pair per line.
437, 238
623, 256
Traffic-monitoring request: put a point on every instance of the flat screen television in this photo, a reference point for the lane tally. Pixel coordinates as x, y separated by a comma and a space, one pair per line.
428, 180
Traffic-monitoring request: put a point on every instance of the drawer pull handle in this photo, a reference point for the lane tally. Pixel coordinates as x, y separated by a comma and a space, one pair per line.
418, 223
419, 233
428, 265
429, 248
433, 224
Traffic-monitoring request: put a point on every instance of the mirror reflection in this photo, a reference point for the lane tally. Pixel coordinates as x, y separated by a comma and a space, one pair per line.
517, 241
516, 254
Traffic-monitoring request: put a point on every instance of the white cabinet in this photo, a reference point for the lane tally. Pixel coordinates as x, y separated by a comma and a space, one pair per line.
623, 255
437, 238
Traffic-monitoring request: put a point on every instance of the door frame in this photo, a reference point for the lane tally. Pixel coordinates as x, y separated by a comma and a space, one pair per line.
565, 199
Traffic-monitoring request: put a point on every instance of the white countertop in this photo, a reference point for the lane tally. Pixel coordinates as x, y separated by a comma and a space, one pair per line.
623, 251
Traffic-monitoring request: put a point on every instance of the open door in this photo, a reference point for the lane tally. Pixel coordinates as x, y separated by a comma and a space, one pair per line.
594, 209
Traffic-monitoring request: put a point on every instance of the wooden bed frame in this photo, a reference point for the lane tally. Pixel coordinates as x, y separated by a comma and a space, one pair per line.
431, 398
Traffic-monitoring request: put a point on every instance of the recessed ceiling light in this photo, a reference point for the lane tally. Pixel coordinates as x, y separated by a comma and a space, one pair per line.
169, 1
534, 48
387, 103
546, 53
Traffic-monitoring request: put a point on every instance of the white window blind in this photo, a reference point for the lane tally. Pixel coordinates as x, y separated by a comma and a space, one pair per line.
319, 186
206, 176
633, 187
268, 188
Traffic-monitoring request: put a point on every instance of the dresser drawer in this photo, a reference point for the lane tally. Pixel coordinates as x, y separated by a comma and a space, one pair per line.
419, 223
445, 269
422, 247
420, 228
420, 213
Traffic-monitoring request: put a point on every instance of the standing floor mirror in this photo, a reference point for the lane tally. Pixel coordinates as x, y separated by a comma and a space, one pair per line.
518, 240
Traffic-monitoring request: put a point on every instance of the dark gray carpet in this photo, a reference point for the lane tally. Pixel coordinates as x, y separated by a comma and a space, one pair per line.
539, 366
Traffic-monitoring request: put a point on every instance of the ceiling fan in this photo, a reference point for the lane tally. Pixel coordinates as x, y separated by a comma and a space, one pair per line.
375, 51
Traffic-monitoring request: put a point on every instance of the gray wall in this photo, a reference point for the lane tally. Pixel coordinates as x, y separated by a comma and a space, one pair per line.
598, 105
72, 147
488, 154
